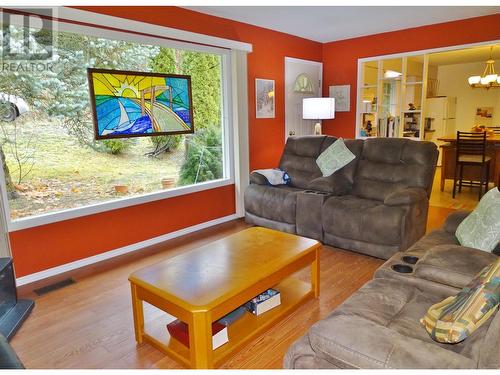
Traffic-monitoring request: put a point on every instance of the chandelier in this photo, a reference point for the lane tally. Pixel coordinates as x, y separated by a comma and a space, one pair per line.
489, 77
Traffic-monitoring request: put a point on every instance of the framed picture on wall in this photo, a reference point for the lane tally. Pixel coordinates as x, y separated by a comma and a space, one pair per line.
342, 97
264, 98
484, 116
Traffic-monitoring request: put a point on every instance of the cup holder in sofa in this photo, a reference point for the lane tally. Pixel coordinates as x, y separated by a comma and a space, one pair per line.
402, 268
410, 259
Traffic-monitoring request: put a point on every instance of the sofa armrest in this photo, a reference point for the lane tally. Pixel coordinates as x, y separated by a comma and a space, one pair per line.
405, 197
361, 343
454, 219
257, 178
8, 357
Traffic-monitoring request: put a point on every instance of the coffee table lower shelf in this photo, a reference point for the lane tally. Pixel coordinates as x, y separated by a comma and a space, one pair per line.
293, 292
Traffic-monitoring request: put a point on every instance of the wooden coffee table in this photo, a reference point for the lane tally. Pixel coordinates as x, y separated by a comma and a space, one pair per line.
202, 285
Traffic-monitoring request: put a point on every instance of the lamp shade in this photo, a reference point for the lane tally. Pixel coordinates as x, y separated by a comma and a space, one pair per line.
318, 108
474, 80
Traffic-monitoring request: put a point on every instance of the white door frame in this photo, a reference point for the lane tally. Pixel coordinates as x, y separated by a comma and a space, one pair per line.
309, 62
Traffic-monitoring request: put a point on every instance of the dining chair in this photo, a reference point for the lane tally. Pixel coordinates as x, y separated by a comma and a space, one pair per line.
471, 152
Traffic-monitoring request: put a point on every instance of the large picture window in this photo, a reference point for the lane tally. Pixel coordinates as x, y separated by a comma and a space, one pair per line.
52, 160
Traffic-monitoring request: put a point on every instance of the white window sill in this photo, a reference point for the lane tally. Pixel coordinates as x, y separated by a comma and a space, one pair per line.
53, 217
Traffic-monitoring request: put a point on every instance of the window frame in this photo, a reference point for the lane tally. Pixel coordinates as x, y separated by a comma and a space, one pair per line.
138, 36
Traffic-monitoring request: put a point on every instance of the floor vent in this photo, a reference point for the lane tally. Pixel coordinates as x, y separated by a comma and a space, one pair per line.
55, 286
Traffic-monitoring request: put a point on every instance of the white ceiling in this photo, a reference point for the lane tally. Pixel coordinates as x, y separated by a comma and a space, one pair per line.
325, 24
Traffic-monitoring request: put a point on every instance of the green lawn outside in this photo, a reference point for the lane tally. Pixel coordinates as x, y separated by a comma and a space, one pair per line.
67, 175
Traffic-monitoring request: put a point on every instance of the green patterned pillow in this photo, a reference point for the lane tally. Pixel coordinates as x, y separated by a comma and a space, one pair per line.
481, 229
456, 318
336, 156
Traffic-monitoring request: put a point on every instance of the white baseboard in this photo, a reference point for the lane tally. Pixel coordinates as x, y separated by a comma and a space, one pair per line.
120, 251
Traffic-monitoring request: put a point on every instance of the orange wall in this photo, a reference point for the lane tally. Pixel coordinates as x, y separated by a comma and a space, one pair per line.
340, 59
39, 248
47, 246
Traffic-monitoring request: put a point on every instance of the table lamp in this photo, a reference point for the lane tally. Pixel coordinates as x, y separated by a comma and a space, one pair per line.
318, 109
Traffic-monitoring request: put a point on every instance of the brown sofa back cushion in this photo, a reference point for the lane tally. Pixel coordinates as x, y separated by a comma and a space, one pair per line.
299, 159
341, 181
356, 147
389, 164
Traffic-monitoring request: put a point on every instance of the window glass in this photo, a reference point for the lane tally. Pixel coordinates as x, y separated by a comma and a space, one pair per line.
52, 161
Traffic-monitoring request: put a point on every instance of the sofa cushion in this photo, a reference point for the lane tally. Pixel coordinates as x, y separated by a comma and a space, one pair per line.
301, 356
363, 219
406, 197
378, 327
452, 265
272, 202
341, 181
454, 219
387, 166
336, 184
299, 159
430, 240
489, 349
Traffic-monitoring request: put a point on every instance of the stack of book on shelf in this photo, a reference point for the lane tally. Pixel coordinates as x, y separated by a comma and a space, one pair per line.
264, 302
179, 330
257, 305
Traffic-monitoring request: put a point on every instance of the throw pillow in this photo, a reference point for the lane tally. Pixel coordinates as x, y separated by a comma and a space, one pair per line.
336, 156
481, 229
454, 319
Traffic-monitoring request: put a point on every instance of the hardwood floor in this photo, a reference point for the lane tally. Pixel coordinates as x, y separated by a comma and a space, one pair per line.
89, 324
437, 216
466, 200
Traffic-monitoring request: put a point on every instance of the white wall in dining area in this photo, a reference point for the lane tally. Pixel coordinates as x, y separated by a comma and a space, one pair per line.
453, 82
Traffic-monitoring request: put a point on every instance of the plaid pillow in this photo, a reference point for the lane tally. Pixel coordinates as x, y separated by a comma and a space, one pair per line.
456, 318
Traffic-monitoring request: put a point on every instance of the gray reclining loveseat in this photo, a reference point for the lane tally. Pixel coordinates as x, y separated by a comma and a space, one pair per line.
377, 204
